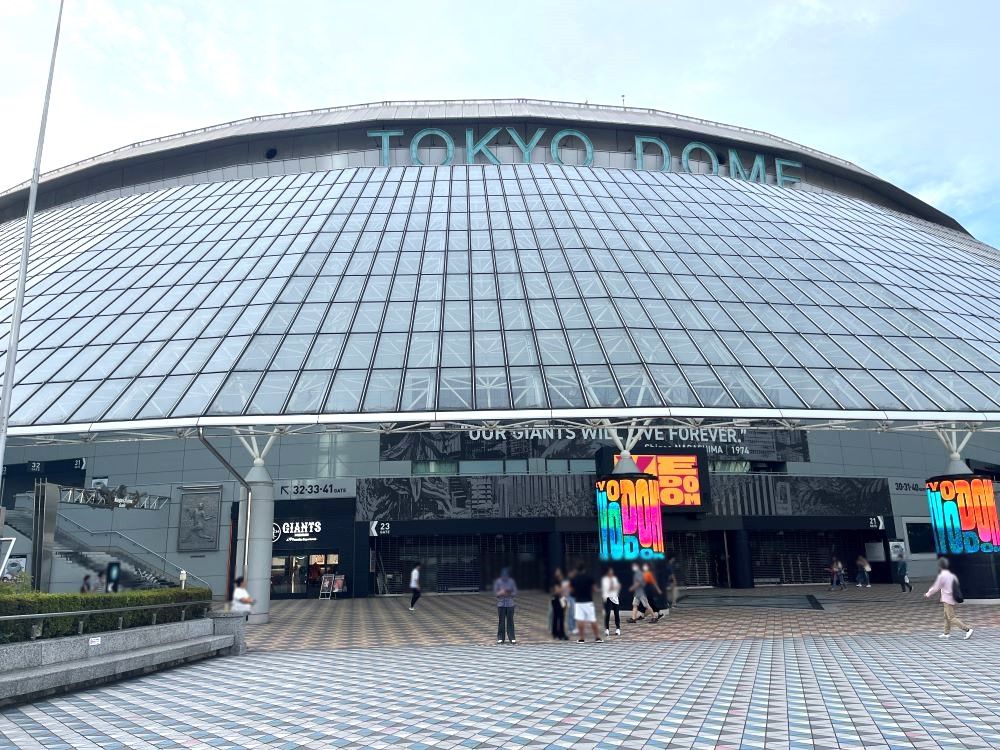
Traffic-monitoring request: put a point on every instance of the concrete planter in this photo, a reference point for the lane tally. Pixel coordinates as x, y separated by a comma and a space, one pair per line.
38, 668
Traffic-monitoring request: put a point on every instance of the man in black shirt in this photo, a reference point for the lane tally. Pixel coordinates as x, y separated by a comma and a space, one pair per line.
583, 587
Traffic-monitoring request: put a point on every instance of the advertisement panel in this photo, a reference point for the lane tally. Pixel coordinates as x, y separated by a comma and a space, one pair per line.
963, 515
681, 474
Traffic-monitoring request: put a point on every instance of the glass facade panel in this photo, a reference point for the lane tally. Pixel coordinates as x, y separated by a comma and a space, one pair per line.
514, 287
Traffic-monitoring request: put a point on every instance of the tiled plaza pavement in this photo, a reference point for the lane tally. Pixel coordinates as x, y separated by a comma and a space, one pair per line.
471, 618
871, 673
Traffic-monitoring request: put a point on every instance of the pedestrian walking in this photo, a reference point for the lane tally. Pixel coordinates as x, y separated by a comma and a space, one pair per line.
837, 574
638, 589
505, 589
610, 588
654, 593
951, 594
567, 590
101, 587
583, 587
414, 586
902, 571
557, 616
242, 601
864, 572
86, 587
670, 580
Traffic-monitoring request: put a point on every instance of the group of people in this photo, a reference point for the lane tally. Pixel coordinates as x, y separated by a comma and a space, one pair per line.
863, 577
572, 604
90, 586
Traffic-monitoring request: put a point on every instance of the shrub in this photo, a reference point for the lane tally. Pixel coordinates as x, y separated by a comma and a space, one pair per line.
35, 602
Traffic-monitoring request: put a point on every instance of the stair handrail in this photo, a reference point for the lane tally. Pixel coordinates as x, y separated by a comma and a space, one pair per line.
157, 555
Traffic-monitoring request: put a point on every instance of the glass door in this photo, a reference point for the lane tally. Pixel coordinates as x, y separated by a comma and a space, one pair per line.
299, 575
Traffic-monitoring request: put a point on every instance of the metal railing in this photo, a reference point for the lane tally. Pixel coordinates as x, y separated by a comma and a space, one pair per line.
108, 498
82, 614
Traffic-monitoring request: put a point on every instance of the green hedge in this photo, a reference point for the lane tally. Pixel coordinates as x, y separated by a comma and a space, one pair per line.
14, 602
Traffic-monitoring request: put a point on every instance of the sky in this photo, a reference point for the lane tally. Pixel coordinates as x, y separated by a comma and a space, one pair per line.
906, 90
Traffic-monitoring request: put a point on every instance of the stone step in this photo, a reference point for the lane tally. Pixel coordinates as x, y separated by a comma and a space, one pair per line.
28, 684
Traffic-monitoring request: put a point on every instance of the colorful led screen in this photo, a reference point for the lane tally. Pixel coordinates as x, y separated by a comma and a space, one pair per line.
963, 515
679, 479
629, 517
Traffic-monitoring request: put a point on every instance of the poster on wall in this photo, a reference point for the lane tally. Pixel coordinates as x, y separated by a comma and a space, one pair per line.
16, 565
198, 527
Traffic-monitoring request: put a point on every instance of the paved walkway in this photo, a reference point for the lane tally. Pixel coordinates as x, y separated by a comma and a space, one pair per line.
703, 614
709, 676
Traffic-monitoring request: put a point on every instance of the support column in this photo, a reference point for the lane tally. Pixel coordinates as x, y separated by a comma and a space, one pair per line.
740, 559
258, 570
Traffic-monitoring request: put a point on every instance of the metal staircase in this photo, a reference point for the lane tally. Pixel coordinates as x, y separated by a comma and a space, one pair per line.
141, 567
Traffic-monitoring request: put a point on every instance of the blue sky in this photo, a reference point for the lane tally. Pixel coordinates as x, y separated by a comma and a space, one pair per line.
906, 90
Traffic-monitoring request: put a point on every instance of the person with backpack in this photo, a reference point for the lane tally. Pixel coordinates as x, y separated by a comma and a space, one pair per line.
653, 593
902, 571
638, 589
951, 594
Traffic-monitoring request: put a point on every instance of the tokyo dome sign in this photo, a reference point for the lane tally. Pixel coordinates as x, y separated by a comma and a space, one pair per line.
786, 171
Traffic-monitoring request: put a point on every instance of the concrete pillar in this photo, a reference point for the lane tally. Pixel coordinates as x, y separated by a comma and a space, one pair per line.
258, 572
740, 559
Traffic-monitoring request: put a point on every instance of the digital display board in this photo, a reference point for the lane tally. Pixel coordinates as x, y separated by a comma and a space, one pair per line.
681, 485
681, 474
963, 515
630, 507
629, 518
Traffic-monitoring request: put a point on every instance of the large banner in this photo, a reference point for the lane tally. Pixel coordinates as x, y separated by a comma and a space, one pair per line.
514, 496
721, 443
572, 496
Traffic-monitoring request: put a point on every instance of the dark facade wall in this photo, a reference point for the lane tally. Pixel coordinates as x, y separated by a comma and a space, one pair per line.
845, 481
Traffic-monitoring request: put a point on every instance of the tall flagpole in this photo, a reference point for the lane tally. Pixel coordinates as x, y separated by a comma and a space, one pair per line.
22, 275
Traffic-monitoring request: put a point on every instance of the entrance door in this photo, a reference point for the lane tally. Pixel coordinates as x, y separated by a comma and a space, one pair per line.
298, 576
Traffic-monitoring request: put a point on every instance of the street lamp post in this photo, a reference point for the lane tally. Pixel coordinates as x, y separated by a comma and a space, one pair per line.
22, 274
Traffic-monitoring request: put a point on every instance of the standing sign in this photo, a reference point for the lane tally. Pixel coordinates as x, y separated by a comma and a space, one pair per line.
326, 586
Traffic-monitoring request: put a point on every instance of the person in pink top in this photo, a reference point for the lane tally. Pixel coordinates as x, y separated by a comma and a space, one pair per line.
945, 583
